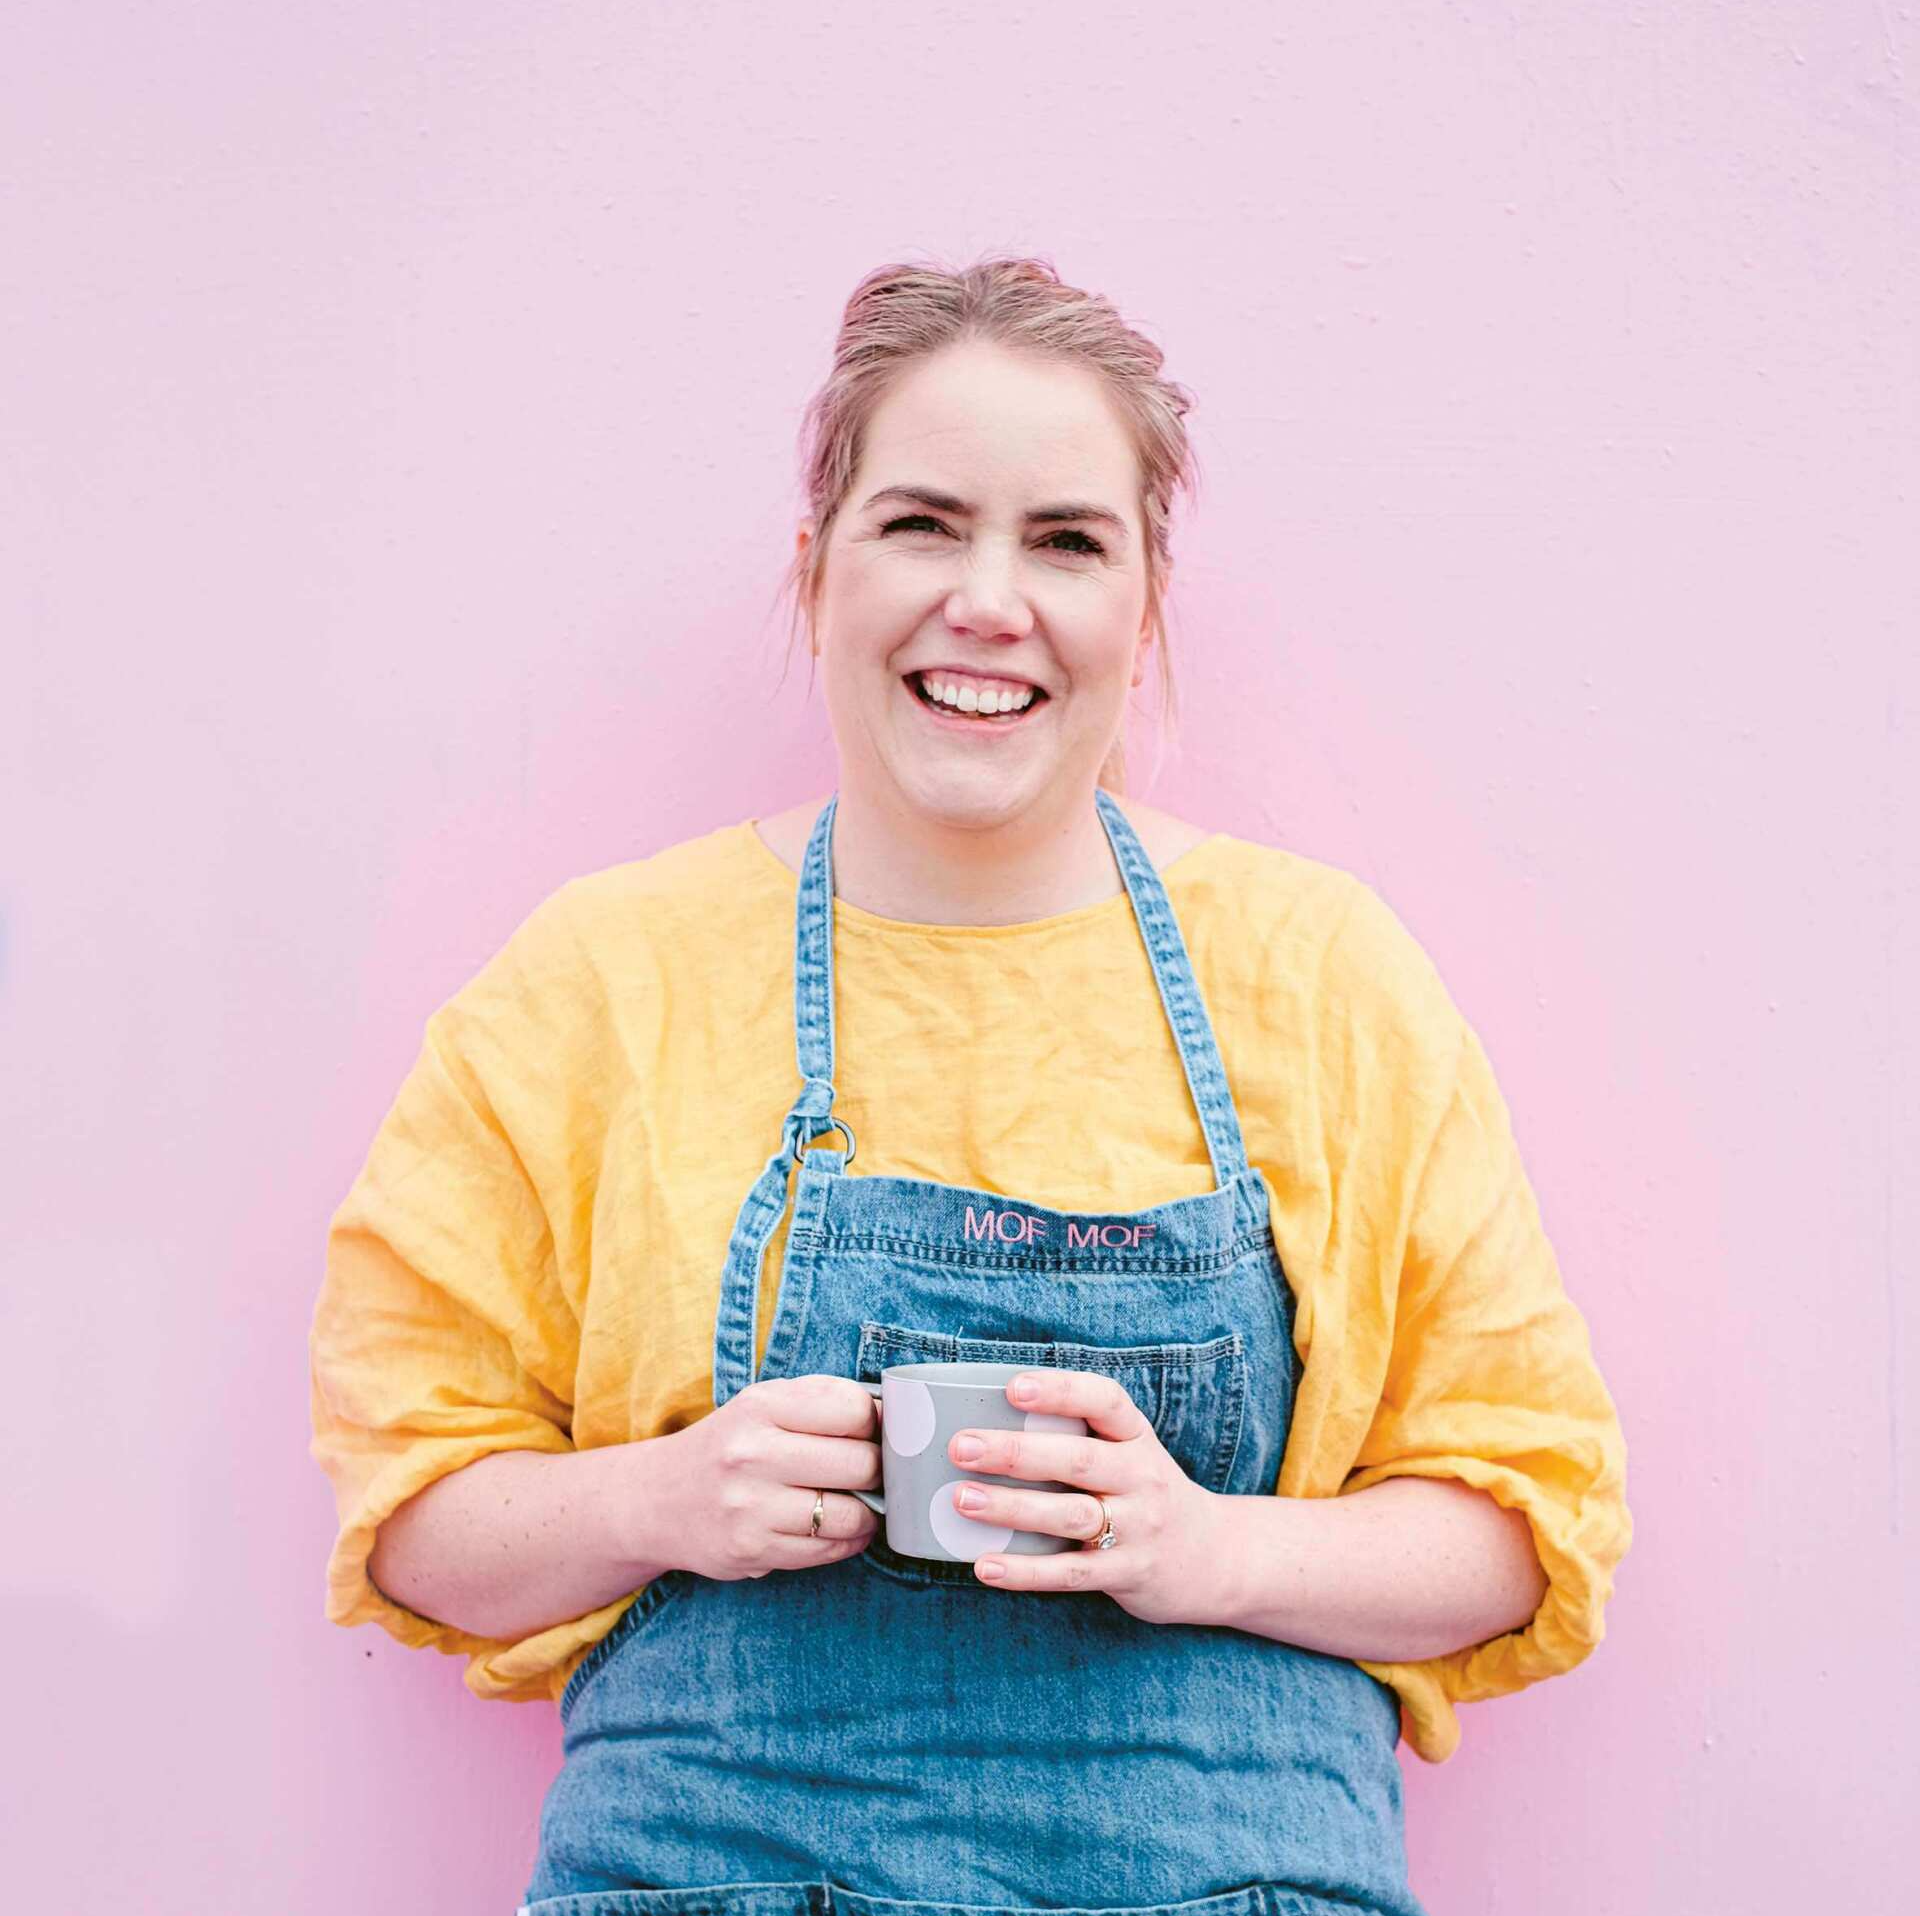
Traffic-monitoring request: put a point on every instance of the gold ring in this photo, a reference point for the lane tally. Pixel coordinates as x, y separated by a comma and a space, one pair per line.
819, 1506
1106, 1539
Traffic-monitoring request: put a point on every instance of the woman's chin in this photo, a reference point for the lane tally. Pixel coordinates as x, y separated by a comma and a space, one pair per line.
970, 796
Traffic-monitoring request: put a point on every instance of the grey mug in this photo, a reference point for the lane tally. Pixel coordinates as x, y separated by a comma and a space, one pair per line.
922, 1408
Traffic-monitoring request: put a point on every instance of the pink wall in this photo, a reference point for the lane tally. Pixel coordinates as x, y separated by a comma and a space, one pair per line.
399, 412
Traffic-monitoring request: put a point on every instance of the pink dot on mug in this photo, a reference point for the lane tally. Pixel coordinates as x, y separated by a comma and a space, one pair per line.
963, 1536
907, 1415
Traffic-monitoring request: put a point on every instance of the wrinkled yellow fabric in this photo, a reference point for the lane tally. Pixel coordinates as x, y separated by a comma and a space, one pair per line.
530, 1256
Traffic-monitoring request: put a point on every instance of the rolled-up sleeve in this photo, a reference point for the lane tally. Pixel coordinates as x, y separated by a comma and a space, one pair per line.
443, 1330
1491, 1380
1445, 1342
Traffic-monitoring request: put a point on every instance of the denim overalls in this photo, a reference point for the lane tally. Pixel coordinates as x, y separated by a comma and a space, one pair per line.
889, 1735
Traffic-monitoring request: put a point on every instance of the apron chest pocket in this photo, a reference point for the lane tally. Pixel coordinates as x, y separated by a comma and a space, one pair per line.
1194, 1395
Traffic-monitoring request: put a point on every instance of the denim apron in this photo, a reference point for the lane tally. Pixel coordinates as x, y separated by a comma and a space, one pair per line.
889, 1735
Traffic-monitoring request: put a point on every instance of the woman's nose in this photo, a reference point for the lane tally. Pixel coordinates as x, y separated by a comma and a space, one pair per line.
988, 603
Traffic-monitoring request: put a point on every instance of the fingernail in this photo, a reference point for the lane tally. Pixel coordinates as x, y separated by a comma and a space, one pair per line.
991, 1568
1025, 1390
967, 1450
970, 1497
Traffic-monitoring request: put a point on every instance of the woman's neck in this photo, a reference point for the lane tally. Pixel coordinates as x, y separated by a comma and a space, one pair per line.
895, 862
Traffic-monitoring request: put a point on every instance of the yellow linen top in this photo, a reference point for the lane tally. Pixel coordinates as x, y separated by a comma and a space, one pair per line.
531, 1255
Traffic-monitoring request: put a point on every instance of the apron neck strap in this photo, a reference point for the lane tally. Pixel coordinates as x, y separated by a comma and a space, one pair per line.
1186, 1012
1179, 992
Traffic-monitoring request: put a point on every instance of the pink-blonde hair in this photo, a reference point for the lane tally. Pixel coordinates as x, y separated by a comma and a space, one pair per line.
900, 313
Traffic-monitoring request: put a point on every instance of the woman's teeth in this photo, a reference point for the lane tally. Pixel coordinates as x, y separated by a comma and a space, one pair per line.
960, 695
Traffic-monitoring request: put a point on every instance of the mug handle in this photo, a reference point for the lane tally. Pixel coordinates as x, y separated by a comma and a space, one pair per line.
873, 1499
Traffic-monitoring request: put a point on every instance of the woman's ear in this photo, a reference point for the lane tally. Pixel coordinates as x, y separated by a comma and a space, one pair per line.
1140, 652
802, 538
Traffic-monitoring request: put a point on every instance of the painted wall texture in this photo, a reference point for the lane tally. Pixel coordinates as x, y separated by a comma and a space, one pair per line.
399, 408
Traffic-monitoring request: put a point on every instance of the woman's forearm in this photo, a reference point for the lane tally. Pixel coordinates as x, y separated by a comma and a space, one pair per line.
521, 1540
1411, 1567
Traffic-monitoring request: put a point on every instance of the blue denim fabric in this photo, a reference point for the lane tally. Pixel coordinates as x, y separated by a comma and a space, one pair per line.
887, 1734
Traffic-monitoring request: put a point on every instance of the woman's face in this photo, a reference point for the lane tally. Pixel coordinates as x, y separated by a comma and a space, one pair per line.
984, 589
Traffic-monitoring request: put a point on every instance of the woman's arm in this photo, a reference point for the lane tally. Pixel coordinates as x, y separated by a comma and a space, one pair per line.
1411, 1568
523, 1540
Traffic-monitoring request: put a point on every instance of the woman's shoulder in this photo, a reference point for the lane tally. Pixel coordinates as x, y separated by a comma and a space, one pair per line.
611, 923
728, 862
1257, 880
1323, 917
1308, 919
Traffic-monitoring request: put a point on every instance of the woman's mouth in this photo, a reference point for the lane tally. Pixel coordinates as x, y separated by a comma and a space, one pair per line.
981, 704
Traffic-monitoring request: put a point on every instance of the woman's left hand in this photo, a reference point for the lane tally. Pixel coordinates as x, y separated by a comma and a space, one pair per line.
1163, 1522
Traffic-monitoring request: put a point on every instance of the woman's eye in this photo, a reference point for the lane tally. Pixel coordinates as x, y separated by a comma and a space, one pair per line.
1087, 543
1088, 546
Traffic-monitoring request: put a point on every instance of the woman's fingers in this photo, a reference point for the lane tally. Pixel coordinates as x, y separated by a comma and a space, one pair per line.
830, 1406
846, 1524
819, 1430
827, 1463
842, 1514
1054, 1513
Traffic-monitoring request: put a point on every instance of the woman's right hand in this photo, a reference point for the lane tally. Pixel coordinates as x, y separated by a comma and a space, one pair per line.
735, 1498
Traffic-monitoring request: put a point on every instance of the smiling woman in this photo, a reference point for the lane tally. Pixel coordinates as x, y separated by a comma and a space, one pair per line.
1121, 460
602, 1310
1026, 570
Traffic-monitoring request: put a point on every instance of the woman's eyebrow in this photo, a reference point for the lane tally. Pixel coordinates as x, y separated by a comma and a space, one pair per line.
1041, 515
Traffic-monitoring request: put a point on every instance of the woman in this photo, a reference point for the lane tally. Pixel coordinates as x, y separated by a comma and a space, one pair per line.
596, 1422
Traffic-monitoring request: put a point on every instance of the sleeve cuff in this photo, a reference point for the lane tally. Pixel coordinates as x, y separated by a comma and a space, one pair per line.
354, 1598
1577, 1552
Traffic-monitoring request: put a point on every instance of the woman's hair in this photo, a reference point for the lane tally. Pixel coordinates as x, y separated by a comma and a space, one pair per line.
901, 313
